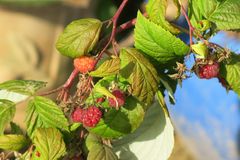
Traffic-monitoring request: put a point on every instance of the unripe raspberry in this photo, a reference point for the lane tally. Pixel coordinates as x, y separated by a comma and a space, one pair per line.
91, 116
209, 71
84, 64
77, 115
119, 101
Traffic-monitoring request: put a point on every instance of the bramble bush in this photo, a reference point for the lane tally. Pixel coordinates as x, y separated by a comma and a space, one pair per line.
117, 108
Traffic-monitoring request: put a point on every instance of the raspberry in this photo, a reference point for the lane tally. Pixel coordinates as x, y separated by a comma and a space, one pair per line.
100, 100
91, 116
209, 71
84, 64
119, 101
77, 115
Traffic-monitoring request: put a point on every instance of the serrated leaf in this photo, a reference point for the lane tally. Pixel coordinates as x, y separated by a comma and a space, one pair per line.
154, 137
101, 152
12, 142
116, 123
43, 112
97, 150
7, 112
25, 87
79, 37
156, 10
108, 68
231, 73
227, 15
156, 42
141, 75
49, 143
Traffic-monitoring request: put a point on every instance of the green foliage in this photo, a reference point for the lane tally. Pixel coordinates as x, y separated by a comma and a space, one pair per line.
97, 150
79, 37
15, 129
225, 14
49, 144
13, 142
155, 135
7, 112
140, 73
200, 49
117, 123
19, 90
156, 10
156, 42
108, 68
26, 87
231, 72
43, 112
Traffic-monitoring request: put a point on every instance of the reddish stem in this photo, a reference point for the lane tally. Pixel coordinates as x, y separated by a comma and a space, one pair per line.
191, 28
69, 82
114, 29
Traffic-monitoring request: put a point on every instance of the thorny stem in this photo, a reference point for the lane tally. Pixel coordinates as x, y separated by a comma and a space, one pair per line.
114, 29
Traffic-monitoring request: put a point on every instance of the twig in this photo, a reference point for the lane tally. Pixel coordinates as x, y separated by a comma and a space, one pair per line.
114, 29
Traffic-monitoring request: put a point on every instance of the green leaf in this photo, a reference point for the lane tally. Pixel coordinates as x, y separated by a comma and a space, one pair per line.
15, 129
19, 90
79, 37
75, 126
231, 73
7, 112
25, 87
156, 10
108, 68
116, 123
156, 42
207, 7
49, 143
226, 15
141, 75
101, 152
43, 112
194, 13
200, 49
103, 91
97, 150
13, 142
155, 136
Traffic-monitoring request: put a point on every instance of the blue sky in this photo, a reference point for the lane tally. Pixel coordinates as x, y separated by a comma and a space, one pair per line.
206, 115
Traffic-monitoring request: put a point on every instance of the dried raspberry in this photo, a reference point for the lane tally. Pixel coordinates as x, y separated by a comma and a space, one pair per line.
77, 115
209, 71
119, 101
91, 116
100, 100
84, 64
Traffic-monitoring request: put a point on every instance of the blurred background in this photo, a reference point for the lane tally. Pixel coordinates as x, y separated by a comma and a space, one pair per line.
205, 116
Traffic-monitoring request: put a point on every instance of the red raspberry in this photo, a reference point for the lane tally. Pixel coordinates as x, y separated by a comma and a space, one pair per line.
77, 115
209, 71
100, 100
119, 101
91, 116
84, 64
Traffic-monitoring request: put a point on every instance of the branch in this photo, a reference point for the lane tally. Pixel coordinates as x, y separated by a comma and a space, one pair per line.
114, 29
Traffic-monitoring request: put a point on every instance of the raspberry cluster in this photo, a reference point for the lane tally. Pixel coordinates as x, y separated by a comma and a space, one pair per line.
89, 117
209, 71
84, 64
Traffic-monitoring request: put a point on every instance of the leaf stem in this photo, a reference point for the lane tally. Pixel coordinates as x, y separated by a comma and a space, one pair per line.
114, 29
